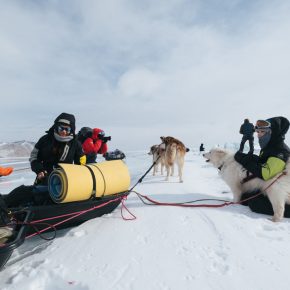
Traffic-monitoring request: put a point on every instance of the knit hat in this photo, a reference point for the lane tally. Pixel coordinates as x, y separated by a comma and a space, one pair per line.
66, 119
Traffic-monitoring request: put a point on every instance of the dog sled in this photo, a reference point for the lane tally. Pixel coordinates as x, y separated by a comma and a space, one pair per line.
77, 194
14, 236
46, 218
71, 214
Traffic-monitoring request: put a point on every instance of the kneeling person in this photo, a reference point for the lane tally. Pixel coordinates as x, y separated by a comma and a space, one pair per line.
59, 145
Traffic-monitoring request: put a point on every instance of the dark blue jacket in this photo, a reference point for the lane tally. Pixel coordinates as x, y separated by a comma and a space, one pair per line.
247, 129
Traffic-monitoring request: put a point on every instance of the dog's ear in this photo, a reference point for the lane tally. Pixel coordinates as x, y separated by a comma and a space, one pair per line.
220, 152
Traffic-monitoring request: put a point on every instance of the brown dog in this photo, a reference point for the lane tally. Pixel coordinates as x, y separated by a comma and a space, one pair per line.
174, 153
158, 154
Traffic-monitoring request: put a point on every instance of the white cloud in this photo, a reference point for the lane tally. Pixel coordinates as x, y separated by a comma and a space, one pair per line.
191, 69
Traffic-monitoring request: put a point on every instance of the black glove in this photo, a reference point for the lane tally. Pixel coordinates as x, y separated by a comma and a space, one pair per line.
251, 162
239, 157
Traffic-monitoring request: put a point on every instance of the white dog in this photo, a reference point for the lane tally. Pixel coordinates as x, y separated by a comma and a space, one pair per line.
233, 174
158, 155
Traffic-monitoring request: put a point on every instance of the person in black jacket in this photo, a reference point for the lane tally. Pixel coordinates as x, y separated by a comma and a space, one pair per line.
59, 145
247, 130
201, 148
270, 162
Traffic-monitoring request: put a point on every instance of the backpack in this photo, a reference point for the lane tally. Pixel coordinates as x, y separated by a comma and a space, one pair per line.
115, 155
84, 133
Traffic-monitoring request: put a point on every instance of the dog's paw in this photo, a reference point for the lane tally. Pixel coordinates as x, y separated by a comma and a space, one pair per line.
276, 219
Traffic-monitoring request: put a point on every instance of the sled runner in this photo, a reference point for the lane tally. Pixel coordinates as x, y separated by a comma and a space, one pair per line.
9, 242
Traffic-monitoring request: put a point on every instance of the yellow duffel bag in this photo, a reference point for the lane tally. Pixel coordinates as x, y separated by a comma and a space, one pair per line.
72, 182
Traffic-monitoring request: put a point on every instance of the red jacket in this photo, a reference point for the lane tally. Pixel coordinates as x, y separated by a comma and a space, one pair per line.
94, 144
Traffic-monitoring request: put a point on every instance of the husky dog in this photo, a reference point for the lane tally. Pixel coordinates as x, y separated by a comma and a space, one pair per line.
174, 153
277, 190
158, 154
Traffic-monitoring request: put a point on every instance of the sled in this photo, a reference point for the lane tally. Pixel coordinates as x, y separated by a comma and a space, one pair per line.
71, 214
18, 235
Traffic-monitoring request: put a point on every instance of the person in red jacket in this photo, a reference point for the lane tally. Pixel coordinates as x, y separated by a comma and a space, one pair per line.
96, 144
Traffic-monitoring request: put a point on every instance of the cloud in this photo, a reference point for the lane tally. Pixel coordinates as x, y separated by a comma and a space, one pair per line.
191, 69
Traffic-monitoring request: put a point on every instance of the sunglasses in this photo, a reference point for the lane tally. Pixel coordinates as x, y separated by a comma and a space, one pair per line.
62, 128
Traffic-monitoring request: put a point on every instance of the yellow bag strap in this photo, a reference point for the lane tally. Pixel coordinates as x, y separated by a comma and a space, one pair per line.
103, 179
93, 194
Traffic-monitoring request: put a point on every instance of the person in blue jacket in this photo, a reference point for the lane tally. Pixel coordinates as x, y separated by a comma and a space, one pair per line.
247, 130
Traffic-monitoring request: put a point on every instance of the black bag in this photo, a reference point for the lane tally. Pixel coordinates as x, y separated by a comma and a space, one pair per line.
4, 219
114, 155
84, 133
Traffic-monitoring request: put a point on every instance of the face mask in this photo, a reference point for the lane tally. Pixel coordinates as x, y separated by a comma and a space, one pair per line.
63, 139
264, 140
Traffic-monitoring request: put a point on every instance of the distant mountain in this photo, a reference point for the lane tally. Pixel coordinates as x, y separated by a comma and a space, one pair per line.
16, 149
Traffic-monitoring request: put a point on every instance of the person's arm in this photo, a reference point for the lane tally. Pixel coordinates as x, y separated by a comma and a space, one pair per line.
36, 164
241, 129
103, 149
265, 171
91, 146
80, 157
272, 167
250, 162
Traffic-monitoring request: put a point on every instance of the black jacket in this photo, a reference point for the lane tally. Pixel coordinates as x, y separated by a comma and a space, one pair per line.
48, 152
247, 129
273, 156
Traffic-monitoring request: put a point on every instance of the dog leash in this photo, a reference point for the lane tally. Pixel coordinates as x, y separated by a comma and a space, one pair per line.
185, 204
142, 177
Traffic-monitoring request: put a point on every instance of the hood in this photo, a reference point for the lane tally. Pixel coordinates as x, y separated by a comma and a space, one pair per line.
279, 127
96, 132
64, 118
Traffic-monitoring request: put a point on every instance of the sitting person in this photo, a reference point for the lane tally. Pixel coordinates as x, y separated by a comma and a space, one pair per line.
95, 144
270, 162
59, 145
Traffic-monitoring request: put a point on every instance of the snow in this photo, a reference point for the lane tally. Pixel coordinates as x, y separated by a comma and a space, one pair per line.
165, 248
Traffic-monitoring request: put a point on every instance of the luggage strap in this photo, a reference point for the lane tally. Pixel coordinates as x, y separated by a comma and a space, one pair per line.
93, 193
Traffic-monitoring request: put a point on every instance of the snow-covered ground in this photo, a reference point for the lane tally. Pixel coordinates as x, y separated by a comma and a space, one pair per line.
165, 248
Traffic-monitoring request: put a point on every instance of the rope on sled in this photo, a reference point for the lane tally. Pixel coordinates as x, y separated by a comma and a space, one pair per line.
72, 216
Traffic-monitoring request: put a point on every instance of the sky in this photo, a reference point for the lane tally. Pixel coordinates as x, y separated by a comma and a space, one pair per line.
164, 248
143, 69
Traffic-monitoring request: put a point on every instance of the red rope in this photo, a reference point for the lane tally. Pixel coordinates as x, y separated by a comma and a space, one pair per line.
133, 217
185, 205
209, 205
72, 217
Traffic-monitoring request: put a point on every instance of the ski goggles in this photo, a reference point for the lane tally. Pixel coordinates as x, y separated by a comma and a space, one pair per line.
262, 125
61, 128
